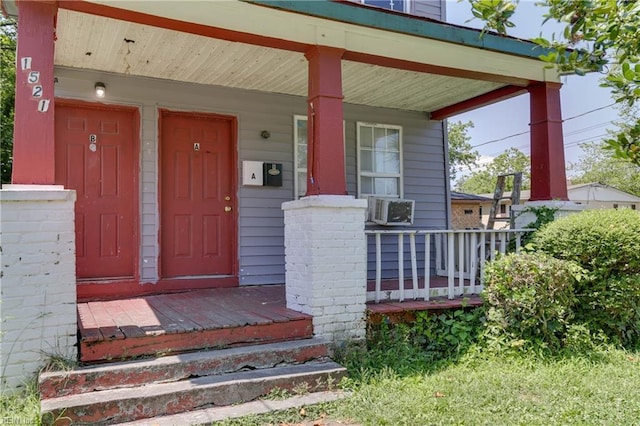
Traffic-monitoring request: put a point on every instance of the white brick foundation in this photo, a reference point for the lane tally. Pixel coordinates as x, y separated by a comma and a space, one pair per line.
524, 215
38, 279
326, 263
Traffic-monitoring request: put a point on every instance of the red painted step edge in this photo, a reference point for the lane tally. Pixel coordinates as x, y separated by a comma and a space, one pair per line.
117, 350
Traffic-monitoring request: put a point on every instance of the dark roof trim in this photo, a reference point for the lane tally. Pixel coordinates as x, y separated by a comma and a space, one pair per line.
367, 16
461, 196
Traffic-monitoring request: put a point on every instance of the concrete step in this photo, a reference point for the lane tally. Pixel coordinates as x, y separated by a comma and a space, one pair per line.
261, 406
162, 399
178, 367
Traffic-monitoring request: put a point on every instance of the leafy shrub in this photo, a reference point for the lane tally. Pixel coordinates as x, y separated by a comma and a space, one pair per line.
450, 332
612, 306
605, 242
580, 339
530, 297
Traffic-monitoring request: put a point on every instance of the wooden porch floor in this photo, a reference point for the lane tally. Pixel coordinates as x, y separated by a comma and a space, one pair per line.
171, 323
179, 322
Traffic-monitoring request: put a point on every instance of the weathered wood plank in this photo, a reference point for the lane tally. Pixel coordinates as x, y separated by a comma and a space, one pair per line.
170, 320
122, 319
221, 303
191, 305
143, 316
252, 303
273, 299
87, 324
108, 327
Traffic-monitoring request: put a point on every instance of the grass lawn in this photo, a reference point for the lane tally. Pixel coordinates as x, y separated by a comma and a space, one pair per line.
601, 388
22, 408
598, 389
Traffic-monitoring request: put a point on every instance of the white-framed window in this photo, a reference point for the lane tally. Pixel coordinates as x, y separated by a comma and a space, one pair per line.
300, 155
379, 160
397, 5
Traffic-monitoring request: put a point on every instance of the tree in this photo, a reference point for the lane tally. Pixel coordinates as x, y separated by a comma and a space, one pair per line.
7, 94
484, 181
598, 35
461, 153
595, 165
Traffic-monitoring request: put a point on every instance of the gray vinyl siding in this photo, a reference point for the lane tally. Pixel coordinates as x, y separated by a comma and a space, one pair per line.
260, 218
434, 9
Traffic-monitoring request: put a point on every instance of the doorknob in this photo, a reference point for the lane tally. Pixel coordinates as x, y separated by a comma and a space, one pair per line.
227, 209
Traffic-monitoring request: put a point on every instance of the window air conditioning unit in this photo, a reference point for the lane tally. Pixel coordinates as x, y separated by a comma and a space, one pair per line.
393, 211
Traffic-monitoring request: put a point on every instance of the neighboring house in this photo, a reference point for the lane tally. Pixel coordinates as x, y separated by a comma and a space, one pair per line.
591, 195
162, 146
467, 210
599, 196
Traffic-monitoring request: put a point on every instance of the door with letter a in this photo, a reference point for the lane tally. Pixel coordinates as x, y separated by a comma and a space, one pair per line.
95, 152
197, 196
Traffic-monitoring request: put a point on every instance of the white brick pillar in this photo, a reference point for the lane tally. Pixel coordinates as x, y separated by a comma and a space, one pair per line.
38, 279
326, 263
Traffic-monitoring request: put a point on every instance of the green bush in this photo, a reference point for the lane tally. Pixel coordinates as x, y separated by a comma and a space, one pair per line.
605, 242
612, 306
530, 297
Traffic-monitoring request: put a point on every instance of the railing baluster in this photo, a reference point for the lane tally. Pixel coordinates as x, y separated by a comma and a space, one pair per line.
492, 246
438, 241
503, 242
518, 241
401, 265
451, 265
461, 262
414, 264
483, 255
427, 265
473, 248
378, 266
467, 258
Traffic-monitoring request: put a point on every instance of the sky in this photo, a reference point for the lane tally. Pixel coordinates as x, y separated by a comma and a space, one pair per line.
579, 96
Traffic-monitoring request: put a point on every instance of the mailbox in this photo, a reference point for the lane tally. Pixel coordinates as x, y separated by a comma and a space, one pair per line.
272, 174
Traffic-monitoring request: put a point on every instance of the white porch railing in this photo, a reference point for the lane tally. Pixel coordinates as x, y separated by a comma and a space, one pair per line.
459, 255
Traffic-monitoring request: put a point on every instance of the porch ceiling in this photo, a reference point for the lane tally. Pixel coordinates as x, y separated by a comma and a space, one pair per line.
105, 44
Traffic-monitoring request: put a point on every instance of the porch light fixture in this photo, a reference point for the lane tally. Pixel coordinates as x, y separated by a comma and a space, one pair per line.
101, 90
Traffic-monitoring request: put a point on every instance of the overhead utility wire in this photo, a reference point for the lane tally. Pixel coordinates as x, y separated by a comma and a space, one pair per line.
529, 131
526, 146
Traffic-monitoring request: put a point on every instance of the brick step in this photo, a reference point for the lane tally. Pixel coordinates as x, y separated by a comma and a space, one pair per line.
161, 399
178, 367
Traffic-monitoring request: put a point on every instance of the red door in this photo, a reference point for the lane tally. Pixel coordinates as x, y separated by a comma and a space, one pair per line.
95, 151
198, 200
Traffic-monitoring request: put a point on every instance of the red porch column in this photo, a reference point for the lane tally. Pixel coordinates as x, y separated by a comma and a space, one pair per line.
33, 136
548, 174
325, 151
